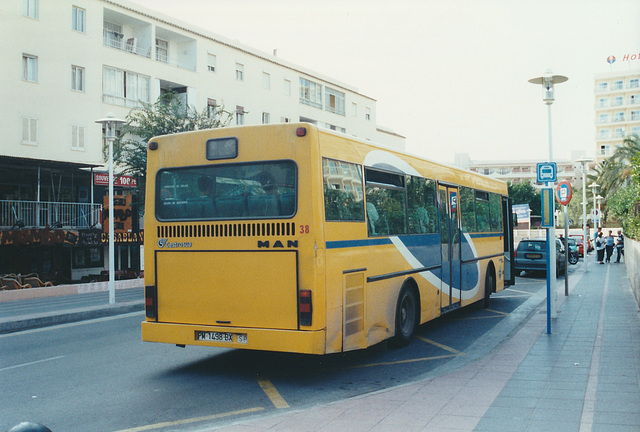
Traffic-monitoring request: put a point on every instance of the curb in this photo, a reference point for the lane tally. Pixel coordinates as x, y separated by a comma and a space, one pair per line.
30, 322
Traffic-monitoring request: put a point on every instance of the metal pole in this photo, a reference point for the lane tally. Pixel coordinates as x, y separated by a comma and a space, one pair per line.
566, 251
551, 286
585, 233
112, 264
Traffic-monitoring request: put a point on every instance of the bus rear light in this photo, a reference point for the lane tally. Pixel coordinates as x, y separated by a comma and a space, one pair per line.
153, 145
305, 307
151, 301
301, 131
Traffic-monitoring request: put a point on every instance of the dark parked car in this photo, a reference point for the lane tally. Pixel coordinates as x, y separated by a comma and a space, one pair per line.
531, 255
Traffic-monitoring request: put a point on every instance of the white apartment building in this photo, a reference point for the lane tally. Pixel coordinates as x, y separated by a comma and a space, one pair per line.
617, 108
67, 63
519, 171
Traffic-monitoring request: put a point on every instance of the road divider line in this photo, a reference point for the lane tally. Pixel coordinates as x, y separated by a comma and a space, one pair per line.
30, 363
191, 420
439, 345
277, 400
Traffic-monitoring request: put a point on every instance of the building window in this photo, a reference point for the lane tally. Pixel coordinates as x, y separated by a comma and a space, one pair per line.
310, 93
266, 81
635, 130
603, 86
285, 120
29, 130
604, 150
618, 101
335, 128
78, 19
239, 72
634, 83
603, 102
618, 85
29, 68
211, 108
211, 62
354, 109
604, 118
334, 101
239, 115
604, 134
77, 137
77, 78
266, 118
124, 88
287, 87
367, 115
162, 50
30, 8
618, 133
634, 99
635, 115
618, 116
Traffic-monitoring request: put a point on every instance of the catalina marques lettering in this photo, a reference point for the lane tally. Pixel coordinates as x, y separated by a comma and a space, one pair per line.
165, 243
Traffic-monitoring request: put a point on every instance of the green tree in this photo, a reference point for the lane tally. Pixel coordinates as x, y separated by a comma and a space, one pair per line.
625, 202
525, 193
167, 115
616, 171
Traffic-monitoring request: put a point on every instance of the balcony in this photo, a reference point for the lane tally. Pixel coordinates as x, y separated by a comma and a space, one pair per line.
126, 33
175, 49
54, 214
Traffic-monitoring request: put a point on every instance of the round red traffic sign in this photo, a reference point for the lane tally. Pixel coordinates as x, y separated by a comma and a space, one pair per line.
564, 192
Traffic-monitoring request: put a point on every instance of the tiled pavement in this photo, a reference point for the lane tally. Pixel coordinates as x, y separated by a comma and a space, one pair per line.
584, 376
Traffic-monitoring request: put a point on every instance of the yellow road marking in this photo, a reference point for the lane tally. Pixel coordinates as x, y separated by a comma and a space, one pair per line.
277, 400
403, 361
518, 291
498, 312
439, 345
191, 420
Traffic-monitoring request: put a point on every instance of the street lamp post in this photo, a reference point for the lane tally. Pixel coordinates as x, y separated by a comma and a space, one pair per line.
547, 81
583, 163
110, 123
593, 187
599, 199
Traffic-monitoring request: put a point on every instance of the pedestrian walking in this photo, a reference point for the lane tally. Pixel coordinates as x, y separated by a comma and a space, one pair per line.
619, 246
600, 247
609, 243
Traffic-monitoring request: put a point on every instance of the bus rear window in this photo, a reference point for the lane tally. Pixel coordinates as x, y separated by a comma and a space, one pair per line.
231, 191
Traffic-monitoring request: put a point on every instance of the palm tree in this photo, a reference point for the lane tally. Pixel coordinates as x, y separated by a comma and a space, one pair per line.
616, 171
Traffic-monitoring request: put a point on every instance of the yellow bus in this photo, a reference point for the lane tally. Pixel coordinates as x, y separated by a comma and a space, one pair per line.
297, 239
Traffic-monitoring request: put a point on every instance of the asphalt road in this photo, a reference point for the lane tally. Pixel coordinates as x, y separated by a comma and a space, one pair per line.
99, 376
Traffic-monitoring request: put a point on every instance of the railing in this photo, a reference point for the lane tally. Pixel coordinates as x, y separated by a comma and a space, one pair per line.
116, 40
54, 214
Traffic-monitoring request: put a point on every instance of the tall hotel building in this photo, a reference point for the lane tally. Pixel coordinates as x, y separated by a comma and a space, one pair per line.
68, 63
617, 109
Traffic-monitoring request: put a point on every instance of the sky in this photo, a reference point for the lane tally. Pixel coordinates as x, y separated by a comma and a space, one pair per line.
449, 75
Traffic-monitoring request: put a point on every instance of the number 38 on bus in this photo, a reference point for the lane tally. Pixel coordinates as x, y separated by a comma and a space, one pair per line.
296, 239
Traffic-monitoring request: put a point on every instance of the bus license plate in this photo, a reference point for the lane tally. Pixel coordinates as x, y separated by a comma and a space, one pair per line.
220, 337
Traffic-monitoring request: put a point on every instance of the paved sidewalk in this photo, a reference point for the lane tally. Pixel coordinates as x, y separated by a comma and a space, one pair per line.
584, 377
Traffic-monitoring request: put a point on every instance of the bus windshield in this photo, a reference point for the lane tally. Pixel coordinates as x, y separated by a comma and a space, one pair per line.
228, 191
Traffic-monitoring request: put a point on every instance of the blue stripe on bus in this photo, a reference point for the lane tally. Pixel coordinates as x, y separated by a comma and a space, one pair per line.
339, 244
480, 235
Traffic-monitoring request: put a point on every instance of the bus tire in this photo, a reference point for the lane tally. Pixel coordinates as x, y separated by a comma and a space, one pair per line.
489, 285
406, 316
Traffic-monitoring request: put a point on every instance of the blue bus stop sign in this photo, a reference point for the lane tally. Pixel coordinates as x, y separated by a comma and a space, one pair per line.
547, 172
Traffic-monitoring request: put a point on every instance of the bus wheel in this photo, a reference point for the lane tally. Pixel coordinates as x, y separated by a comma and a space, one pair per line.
489, 286
406, 316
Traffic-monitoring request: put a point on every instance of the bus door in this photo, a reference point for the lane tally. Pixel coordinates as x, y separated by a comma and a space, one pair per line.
507, 226
450, 237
